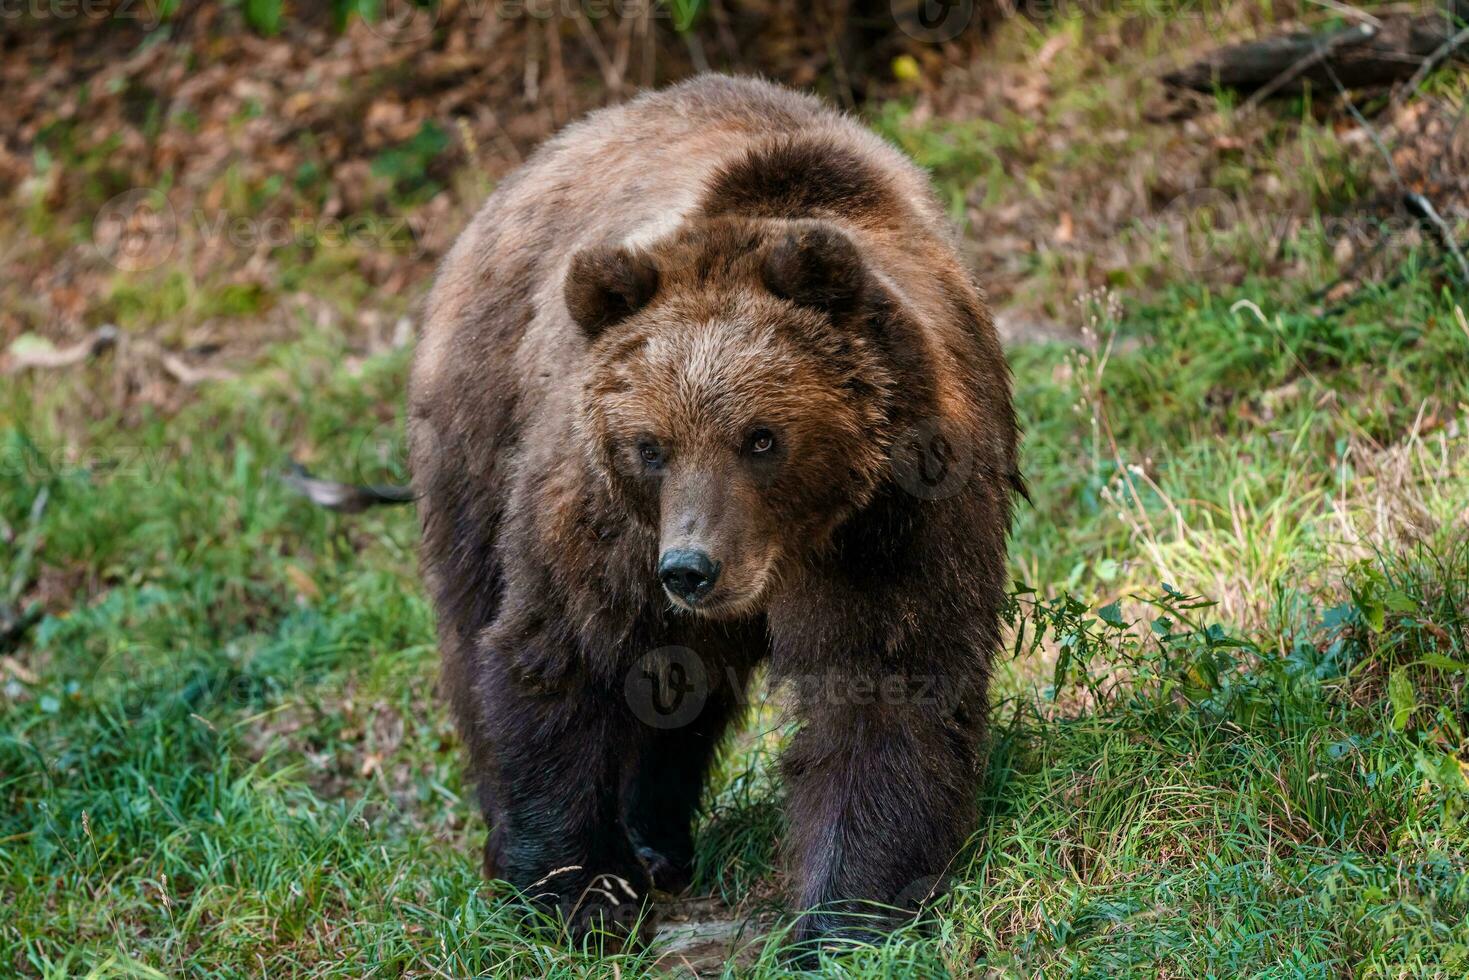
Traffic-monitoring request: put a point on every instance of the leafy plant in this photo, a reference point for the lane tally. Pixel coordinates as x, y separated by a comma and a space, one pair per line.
406, 166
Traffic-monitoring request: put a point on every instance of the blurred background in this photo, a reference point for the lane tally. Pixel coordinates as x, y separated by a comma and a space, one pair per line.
1225, 242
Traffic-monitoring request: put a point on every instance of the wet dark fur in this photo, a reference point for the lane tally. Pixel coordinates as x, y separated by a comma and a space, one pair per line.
539, 546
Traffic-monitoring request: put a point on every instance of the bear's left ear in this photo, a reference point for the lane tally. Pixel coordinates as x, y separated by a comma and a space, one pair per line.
817, 267
608, 283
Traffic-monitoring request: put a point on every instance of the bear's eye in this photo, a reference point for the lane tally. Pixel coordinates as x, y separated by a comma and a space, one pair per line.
760, 441
650, 453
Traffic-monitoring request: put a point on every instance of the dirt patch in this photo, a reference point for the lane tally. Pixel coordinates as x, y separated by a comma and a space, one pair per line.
700, 936
192, 188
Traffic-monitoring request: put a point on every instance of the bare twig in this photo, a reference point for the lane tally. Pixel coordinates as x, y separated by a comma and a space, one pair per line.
1449, 138
532, 63
189, 376
344, 498
1415, 203
696, 50
623, 53
1347, 10
650, 44
1367, 126
1437, 57
1422, 208
50, 358
556, 73
611, 77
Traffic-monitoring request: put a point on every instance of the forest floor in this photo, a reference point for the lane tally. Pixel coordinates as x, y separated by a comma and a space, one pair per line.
1229, 736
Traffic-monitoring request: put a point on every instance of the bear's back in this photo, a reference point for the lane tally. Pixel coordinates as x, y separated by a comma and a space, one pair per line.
632, 173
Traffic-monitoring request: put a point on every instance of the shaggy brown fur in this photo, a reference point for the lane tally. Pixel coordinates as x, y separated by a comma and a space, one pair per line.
719, 320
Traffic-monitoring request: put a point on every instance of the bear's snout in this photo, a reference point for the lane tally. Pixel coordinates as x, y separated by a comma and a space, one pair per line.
688, 574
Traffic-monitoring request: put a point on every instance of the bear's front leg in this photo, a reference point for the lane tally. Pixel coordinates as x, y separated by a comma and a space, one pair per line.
557, 768
882, 784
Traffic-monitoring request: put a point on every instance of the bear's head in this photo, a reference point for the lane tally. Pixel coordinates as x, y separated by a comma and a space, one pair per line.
739, 396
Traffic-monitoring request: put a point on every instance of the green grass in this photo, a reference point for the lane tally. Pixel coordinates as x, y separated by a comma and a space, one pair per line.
221, 752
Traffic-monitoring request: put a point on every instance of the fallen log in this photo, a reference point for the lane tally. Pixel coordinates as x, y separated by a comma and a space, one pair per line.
1371, 54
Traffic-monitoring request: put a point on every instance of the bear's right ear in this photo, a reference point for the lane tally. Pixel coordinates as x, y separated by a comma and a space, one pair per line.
608, 283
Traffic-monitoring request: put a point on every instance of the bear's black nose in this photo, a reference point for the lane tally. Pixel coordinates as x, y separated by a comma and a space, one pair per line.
687, 573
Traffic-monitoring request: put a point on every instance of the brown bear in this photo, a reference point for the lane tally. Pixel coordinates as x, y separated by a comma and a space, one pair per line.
705, 385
